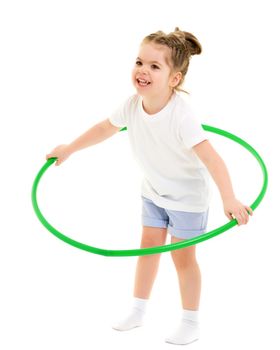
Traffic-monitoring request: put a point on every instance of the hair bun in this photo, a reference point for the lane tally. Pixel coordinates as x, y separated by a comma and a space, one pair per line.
191, 41
181, 46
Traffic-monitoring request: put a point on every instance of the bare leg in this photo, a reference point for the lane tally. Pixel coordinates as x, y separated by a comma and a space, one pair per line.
146, 271
188, 275
147, 265
190, 285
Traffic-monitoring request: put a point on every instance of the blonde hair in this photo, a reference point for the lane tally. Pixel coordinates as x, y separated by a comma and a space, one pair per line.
182, 44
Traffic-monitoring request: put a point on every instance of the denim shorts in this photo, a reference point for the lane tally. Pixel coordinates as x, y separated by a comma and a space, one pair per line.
180, 224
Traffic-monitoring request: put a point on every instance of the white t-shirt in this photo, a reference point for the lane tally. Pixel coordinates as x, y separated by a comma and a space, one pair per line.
174, 176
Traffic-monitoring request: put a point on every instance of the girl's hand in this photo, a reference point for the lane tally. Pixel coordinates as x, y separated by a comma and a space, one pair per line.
236, 210
61, 152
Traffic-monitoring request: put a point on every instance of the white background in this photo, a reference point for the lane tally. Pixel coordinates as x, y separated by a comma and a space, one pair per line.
65, 65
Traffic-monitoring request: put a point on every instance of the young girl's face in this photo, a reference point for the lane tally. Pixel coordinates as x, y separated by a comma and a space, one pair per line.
151, 74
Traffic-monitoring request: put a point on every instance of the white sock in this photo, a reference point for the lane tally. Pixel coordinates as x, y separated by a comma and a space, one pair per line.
135, 317
187, 331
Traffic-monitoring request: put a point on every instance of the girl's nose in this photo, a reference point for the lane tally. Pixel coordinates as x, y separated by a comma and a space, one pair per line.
143, 69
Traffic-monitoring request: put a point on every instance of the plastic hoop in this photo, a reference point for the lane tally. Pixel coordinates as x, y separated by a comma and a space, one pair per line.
158, 249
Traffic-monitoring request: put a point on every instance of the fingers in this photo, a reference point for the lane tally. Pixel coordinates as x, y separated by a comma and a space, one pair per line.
59, 161
229, 215
58, 152
234, 209
48, 156
242, 215
249, 210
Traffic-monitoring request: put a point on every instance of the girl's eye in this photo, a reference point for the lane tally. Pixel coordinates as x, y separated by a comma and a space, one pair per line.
154, 66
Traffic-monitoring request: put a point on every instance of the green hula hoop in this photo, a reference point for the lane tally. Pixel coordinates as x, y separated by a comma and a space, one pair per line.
157, 249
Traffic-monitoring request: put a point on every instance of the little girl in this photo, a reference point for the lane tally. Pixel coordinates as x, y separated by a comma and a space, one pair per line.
176, 158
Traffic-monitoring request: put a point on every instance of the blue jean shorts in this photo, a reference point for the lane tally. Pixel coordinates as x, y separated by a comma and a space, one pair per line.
180, 224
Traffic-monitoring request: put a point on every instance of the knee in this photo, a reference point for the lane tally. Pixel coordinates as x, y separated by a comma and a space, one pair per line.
153, 237
148, 242
183, 261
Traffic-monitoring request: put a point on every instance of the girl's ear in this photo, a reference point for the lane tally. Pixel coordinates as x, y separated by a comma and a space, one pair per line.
175, 79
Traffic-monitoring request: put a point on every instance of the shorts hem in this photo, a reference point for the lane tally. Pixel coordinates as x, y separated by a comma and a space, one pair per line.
185, 234
152, 222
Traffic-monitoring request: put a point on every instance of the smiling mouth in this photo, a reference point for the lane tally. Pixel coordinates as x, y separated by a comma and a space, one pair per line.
143, 82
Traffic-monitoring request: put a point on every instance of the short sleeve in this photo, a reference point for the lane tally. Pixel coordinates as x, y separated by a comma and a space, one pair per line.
119, 117
190, 129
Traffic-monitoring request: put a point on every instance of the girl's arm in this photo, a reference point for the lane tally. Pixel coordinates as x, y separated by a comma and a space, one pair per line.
220, 174
94, 135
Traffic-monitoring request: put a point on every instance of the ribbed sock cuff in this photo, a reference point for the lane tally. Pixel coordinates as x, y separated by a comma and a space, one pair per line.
190, 315
140, 304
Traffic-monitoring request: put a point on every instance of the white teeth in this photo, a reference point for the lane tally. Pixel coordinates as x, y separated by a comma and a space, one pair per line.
143, 82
